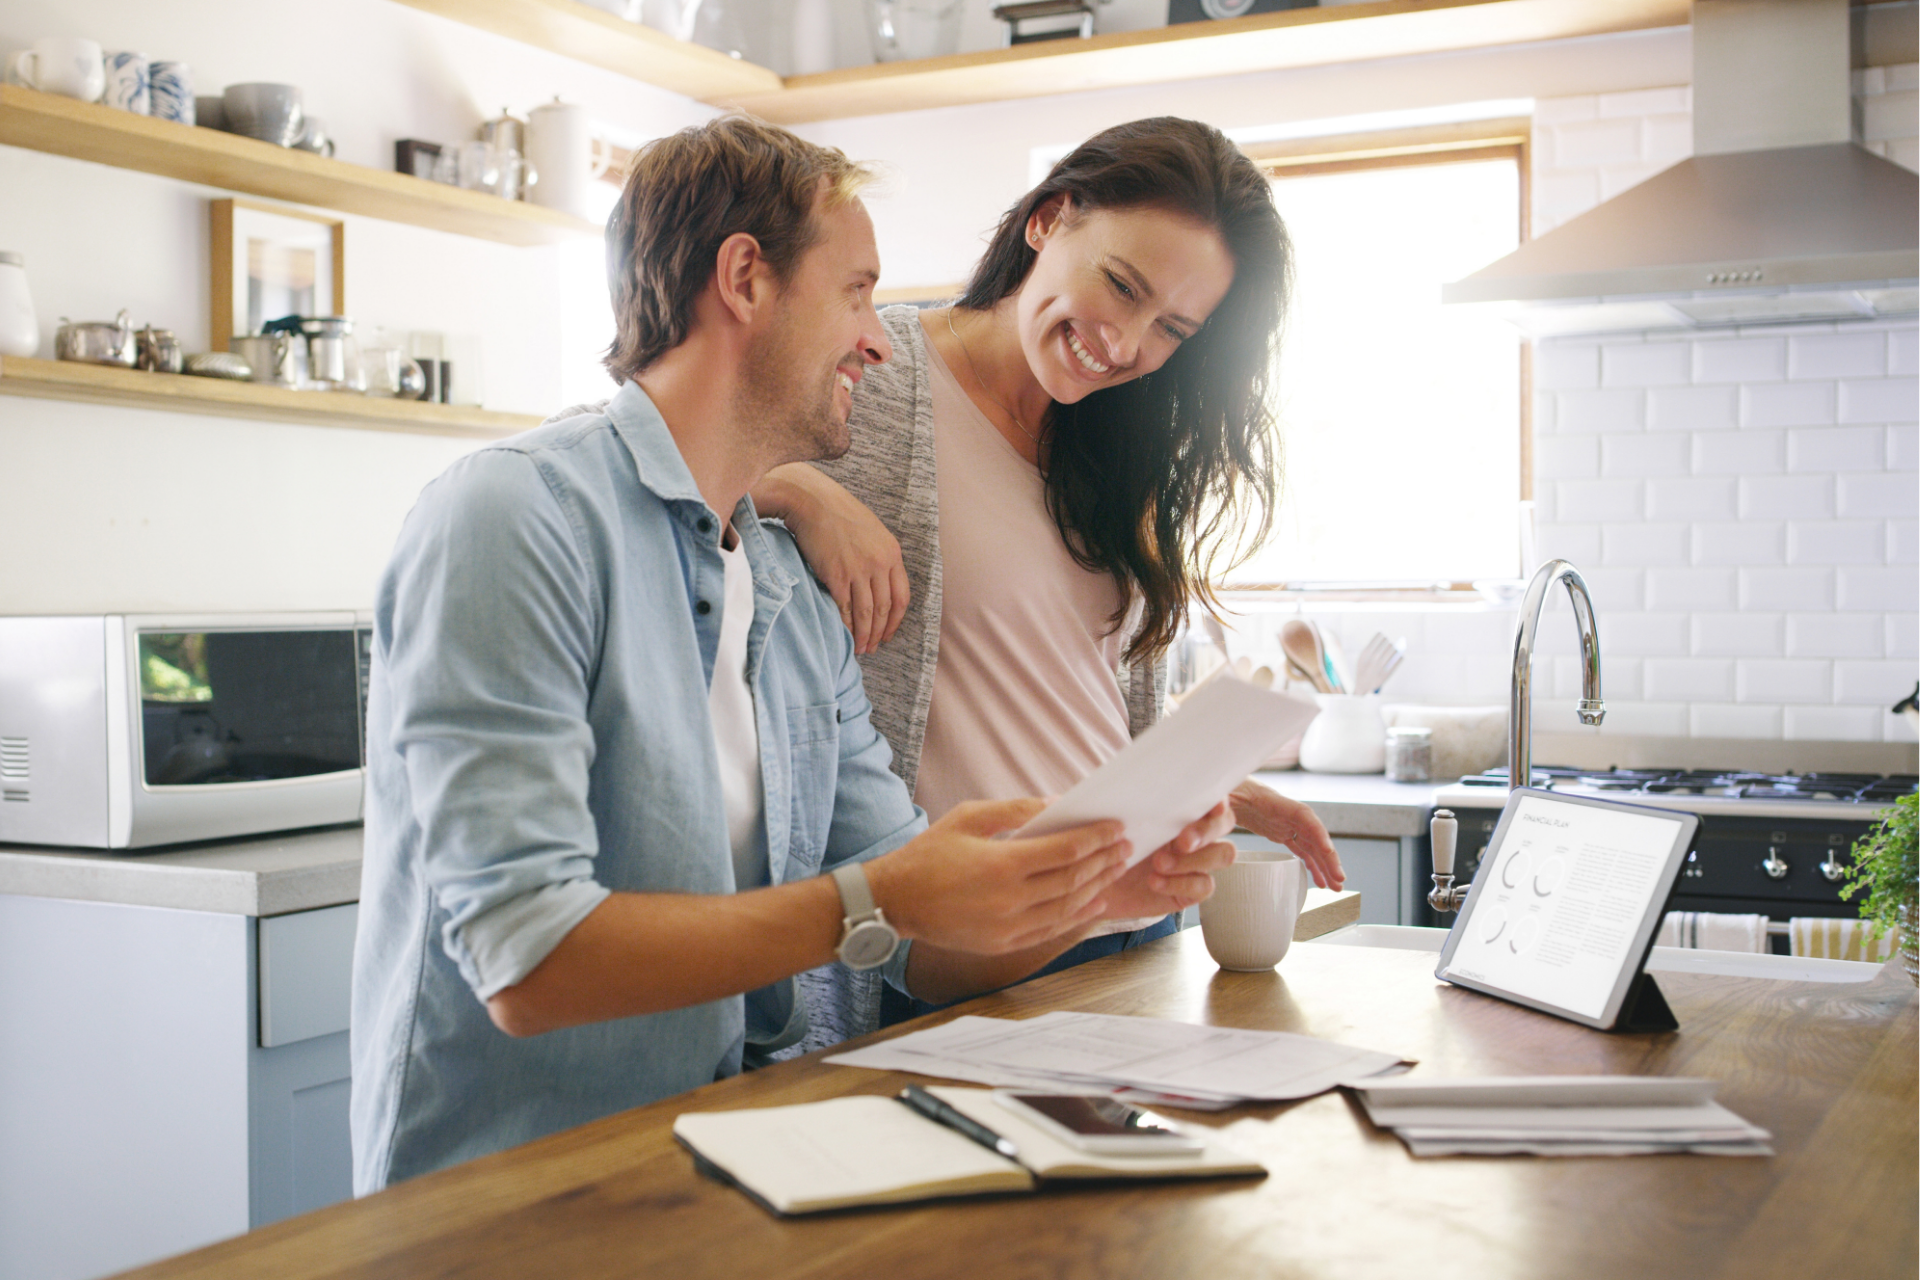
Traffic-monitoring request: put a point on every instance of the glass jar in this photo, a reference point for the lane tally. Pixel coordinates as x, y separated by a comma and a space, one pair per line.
1410, 755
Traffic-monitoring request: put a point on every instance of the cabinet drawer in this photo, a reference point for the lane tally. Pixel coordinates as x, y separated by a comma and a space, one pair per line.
306, 973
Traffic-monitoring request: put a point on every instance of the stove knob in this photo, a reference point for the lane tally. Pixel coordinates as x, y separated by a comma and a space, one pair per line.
1832, 870
1775, 865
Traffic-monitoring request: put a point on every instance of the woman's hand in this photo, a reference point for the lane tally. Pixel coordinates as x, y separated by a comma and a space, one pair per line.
849, 550
1177, 875
1269, 814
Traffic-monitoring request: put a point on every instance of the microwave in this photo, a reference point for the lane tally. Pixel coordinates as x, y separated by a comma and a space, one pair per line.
127, 731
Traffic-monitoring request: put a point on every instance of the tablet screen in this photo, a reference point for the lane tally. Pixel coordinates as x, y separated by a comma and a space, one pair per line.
1561, 907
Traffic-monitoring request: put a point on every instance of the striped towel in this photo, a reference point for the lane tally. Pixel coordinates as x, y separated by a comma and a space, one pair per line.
1835, 939
1710, 931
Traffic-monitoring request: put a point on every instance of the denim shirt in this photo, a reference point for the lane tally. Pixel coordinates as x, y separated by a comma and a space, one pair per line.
538, 737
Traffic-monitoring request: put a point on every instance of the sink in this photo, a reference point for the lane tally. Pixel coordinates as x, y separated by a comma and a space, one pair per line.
1732, 964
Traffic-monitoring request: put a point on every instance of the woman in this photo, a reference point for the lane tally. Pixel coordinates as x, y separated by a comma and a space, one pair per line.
1059, 461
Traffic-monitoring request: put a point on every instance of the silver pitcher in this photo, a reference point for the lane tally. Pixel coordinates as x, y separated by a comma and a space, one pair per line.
333, 356
160, 350
95, 341
277, 358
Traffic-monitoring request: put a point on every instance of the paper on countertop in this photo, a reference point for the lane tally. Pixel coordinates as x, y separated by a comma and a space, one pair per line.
1173, 773
1088, 1051
1537, 1091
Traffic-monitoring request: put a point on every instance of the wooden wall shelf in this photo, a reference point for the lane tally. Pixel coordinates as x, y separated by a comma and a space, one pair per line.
87, 131
586, 34
1200, 51
179, 393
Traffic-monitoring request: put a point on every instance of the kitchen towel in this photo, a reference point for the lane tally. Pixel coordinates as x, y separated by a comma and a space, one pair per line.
1833, 939
1710, 931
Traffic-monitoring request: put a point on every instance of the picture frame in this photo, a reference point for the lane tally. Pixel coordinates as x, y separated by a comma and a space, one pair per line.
271, 261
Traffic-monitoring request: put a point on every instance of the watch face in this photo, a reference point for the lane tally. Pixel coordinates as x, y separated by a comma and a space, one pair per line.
868, 945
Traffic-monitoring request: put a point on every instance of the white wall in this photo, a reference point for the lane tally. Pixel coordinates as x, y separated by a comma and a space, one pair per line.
130, 509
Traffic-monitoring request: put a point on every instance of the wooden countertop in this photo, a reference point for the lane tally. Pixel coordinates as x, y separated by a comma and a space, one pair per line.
1830, 1069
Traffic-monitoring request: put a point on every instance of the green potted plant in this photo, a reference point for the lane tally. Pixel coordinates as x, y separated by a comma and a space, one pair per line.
1886, 865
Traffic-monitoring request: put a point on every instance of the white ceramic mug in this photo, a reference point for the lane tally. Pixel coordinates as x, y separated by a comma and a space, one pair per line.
1248, 922
566, 155
58, 64
129, 83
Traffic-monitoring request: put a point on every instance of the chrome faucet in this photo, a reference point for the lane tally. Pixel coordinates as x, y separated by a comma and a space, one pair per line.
1443, 828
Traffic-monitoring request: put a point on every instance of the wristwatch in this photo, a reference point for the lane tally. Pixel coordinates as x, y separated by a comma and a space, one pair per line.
867, 941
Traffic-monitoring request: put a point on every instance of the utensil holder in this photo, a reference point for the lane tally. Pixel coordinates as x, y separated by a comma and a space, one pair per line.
1348, 736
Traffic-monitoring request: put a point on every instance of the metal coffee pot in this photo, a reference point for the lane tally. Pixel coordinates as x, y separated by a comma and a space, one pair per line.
95, 342
277, 358
160, 350
333, 357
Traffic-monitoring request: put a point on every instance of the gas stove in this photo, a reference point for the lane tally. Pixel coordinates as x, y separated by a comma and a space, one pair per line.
1769, 844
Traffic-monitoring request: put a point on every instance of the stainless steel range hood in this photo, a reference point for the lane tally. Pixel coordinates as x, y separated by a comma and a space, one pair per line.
1777, 216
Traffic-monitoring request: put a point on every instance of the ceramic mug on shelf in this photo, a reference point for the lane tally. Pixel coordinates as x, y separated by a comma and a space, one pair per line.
568, 158
19, 327
56, 64
129, 87
170, 86
1248, 922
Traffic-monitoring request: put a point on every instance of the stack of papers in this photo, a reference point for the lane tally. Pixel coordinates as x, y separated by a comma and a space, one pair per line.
1560, 1116
1152, 1061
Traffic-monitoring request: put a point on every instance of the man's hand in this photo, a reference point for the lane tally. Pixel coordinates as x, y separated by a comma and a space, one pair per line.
957, 887
846, 546
1179, 874
1266, 812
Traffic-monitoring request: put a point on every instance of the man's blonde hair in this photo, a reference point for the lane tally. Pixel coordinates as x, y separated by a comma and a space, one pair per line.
685, 195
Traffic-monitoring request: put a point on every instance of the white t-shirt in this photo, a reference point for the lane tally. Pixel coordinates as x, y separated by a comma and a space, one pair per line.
736, 734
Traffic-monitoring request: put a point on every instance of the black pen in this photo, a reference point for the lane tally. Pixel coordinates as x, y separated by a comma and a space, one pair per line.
941, 1113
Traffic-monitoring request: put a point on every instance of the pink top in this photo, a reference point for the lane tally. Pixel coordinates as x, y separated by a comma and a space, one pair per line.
1026, 699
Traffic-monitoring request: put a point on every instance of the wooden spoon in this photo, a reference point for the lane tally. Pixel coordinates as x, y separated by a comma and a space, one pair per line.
1301, 642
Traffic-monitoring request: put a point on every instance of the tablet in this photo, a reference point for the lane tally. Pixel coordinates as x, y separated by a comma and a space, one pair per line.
1566, 903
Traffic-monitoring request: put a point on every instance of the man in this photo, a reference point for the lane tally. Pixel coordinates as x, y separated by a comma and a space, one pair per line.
616, 732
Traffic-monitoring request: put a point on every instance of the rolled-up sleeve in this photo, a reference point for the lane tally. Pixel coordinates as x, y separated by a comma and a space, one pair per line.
490, 618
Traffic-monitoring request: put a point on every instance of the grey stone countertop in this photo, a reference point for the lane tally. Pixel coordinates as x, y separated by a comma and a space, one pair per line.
300, 870
257, 876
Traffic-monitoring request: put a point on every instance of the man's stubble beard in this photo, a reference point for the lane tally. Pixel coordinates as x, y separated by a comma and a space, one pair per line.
780, 408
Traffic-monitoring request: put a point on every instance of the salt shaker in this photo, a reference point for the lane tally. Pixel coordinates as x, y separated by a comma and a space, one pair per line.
1410, 755
19, 330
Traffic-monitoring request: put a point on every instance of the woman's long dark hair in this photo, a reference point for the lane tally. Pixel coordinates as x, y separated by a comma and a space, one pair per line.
1164, 480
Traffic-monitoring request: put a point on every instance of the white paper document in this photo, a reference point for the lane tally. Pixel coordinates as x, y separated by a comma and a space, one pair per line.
1560, 1115
1208, 1067
1173, 773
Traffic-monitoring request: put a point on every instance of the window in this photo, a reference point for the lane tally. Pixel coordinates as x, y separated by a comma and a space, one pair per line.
1401, 420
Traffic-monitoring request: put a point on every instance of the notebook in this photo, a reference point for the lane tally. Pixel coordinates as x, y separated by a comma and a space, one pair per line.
872, 1150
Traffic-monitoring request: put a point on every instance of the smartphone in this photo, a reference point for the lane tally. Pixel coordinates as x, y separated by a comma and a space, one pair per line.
1099, 1124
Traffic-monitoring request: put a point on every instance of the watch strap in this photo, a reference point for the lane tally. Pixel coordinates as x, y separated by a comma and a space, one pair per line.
856, 895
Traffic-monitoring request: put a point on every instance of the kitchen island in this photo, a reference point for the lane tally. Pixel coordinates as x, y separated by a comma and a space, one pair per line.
1830, 1069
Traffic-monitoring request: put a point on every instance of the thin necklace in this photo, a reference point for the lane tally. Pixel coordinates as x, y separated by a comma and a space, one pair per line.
981, 383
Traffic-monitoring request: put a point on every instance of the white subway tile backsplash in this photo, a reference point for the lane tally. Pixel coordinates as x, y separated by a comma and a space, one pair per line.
1689, 679
1469, 631
1903, 542
1884, 590
1693, 408
1712, 720
1783, 680
1903, 352
1551, 111
1797, 590
1851, 353
1740, 360
1883, 495
1903, 447
1666, 140
1566, 366
1602, 500
1620, 676
1836, 542
1558, 197
1606, 409
1644, 545
1903, 75
1650, 364
1833, 724
1836, 635
1734, 453
1615, 590
1902, 634
1567, 457
1593, 143
1876, 684
1836, 448
1882, 400
1644, 635
1653, 719
1638, 455
1739, 635
1786, 404
1692, 499
1786, 497
1692, 589
1742, 542
1579, 543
